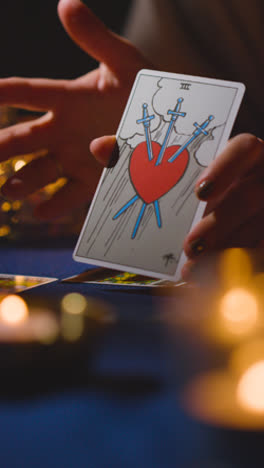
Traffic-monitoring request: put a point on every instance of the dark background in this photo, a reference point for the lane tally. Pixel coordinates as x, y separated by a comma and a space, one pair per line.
33, 42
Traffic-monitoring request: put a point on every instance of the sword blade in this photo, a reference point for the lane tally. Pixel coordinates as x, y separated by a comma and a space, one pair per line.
174, 116
149, 142
140, 216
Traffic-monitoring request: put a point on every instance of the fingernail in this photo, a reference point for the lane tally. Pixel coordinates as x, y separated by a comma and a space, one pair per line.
204, 189
114, 157
198, 246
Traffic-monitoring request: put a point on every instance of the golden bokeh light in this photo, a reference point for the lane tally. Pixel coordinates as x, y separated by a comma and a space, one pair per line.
16, 205
74, 303
13, 310
6, 206
20, 279
19, 164
259, 281
3, 179
245, 355
239, 309
235, 267
72, 326
50, 189
45, 327
72, 321
219, 399
250, 389
4, 230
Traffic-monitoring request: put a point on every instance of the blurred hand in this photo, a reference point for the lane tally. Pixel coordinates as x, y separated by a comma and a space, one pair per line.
233, 186
76, 111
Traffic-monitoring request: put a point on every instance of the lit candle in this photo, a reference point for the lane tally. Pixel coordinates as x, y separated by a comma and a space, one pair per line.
232, 397
224, 318
77, 311
250, 389
18, 325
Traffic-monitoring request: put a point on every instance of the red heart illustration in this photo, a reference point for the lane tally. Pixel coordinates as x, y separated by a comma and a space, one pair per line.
150, 181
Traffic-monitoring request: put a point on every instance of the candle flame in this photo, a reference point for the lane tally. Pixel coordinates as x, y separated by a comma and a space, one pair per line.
239, 309
13, 310
74, 303
235, 267
72, 326
250, 390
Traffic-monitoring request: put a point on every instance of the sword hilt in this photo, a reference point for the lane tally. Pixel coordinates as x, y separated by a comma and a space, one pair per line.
146, 118
196, 133
176, 112
200, 128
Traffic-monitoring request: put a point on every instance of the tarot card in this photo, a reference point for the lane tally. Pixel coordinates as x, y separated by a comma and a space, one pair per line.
118, 278
12, 284
172, 128
112, 277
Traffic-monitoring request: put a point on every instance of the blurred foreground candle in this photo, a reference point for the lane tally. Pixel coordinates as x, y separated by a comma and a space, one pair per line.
78, 316
49, 336
239, 309
73, 306
230, 398
217, 333
13, 310
17, 325
226, 305
77, 310
250, 389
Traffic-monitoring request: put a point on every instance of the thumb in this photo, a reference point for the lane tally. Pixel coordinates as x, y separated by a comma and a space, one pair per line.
105, 149
97, 40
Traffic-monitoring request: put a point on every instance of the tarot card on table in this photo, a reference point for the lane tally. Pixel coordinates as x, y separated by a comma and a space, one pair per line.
172, 128
12, 284
118, 278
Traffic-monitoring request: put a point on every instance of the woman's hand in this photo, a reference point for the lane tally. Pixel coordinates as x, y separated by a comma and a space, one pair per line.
233, 186
76, 111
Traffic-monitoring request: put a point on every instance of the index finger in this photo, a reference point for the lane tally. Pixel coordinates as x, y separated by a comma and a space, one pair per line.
241, 154
32, 93
91, 34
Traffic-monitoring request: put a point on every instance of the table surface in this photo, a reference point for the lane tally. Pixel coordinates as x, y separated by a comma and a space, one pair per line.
127, 413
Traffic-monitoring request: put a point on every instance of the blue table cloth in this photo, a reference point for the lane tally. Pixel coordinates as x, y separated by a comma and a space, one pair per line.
127, 415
